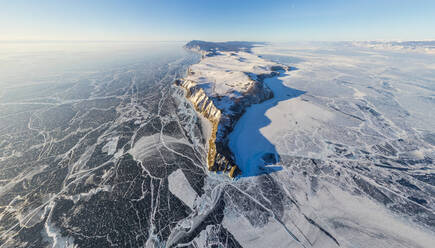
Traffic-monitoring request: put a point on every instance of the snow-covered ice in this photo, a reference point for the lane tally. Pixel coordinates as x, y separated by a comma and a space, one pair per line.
355, 146
247, 140
180, 187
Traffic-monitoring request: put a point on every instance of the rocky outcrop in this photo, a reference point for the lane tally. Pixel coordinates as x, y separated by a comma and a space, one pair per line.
219, 157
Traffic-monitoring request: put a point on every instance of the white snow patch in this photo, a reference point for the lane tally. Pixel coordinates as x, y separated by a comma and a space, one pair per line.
225, 74
295, 114
110, 146
53, 234
148, 145
358, 94
180, 187
272, 234
365, 223
58, 241
87, 195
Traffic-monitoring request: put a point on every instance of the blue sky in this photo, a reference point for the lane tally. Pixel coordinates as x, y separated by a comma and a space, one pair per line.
156, 20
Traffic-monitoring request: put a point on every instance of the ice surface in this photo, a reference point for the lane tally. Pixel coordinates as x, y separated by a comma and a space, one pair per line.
118, 158
271, 235
180, 187
110, 147
361, 109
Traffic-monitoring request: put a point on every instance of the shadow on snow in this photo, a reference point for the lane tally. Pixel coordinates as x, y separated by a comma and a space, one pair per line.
254, 153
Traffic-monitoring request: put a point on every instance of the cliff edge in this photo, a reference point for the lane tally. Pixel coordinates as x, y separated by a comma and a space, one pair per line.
227, 80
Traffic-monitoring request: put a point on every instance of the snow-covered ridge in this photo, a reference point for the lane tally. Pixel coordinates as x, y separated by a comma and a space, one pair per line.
210, 48
415, 46
227, 80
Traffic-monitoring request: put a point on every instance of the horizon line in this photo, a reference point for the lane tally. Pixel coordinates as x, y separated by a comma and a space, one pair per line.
150, 41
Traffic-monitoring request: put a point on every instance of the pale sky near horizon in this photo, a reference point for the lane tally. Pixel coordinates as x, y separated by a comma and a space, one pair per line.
172, 20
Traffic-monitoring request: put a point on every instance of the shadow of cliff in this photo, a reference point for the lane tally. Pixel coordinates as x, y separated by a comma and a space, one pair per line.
255, 154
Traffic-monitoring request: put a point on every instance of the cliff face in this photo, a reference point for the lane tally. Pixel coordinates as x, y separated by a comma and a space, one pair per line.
221, 87
218, 158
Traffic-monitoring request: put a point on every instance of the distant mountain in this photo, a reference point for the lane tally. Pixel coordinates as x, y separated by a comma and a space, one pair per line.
417, 46
228, 46
412, 44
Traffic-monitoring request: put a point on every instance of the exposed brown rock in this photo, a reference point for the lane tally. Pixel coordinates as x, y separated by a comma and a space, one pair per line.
219, 157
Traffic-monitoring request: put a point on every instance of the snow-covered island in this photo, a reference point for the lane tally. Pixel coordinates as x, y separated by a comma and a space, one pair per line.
228, 79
